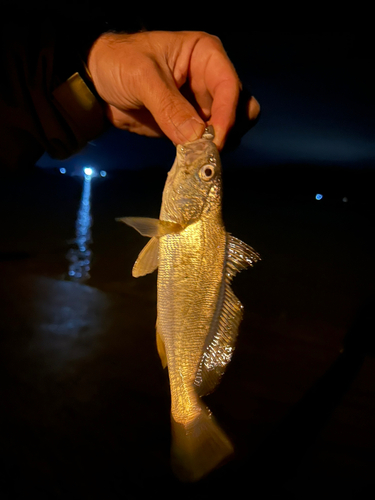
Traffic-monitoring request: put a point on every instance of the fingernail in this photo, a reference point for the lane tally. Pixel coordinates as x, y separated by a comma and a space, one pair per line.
191, 130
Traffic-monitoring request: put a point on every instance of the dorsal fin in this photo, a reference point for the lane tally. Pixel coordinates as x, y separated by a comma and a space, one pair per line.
222, 338
219, 351
239, 256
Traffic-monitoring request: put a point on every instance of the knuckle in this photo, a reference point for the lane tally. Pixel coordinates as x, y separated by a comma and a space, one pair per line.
167, 107
211, 40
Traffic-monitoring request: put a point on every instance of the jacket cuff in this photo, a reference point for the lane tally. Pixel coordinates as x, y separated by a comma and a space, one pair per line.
82, 109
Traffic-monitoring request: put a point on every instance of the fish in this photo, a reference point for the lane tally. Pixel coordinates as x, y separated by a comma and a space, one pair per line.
198, 314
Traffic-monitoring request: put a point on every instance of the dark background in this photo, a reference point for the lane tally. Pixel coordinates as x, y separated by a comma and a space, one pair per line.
85, 403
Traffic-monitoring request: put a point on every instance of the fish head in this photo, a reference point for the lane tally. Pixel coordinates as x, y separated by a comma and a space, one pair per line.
193, 186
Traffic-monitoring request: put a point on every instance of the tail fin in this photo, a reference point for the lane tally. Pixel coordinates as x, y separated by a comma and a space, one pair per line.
198, 447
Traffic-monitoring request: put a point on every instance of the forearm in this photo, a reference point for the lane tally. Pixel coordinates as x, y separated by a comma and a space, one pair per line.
46, 100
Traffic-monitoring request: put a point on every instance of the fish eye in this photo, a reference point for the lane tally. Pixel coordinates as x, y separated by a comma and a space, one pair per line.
207, 172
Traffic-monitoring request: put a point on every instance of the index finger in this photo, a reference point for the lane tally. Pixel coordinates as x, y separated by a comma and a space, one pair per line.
224, 86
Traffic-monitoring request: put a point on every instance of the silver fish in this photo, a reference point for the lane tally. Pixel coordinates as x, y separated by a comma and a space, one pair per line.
197, 313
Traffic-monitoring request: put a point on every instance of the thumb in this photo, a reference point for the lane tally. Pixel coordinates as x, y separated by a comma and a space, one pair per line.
176, 117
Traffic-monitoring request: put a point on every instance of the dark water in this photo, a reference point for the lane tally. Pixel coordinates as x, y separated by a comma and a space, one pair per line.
84, 400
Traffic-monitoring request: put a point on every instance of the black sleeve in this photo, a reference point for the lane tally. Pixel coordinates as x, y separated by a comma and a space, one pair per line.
47, 102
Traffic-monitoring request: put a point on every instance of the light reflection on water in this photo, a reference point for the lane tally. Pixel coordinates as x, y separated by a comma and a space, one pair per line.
79, 255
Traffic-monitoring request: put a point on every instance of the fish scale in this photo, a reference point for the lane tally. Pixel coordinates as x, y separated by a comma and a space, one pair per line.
184, 326
198, 314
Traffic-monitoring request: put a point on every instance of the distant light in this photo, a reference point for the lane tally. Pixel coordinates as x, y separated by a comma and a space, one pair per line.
88, 171
318, 196
345, 199
62, 170
103, 173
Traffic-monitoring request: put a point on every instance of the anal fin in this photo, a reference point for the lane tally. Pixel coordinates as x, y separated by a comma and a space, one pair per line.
161, 348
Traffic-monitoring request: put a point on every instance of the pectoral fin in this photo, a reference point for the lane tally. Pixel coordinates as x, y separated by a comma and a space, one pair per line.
151, 227
148, 259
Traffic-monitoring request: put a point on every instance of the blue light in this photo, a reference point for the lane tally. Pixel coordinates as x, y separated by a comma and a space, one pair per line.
62, 170
79, 255
318, 197
103, 173
88, 171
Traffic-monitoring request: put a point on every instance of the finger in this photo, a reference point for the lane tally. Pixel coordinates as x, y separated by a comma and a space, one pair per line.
253, 109
139, 121
247, 113
200, 99
175, 116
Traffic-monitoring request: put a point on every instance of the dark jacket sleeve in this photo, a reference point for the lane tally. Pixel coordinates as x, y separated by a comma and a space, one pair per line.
47, 102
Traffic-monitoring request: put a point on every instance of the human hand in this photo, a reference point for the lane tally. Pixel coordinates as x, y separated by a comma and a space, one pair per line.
172, 83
